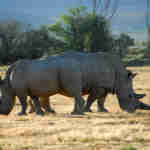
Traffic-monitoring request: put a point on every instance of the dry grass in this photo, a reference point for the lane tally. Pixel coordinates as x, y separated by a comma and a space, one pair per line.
94, 131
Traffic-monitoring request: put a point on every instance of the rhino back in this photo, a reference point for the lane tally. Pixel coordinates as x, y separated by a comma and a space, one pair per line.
38, 76
72, 70
45, 77
96, 69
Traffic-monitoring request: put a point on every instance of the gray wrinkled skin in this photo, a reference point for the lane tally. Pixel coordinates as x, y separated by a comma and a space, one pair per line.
71, 74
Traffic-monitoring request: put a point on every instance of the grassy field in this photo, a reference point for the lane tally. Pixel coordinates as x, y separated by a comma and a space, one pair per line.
93, 131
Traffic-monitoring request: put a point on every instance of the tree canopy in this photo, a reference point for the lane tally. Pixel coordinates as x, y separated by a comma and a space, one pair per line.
83, 31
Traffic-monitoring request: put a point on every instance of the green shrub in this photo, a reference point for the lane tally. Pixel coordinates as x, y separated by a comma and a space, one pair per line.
1, 148
128, 148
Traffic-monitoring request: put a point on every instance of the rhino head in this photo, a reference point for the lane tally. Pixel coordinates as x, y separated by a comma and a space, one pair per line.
128, 100
6, 98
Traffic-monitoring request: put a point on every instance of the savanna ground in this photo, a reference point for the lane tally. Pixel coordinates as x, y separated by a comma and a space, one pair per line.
93, 131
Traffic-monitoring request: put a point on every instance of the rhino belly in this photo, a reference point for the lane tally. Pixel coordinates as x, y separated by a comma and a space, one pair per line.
43, 86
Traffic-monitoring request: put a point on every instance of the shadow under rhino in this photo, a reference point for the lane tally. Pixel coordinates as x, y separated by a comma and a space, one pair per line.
71, 74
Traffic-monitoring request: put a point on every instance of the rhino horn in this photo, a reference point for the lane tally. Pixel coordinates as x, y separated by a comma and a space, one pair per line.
131, 74
134, 74
143, 106
139, 96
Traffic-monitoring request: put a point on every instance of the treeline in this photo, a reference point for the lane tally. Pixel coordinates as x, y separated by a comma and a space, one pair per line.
78, 30
19, 41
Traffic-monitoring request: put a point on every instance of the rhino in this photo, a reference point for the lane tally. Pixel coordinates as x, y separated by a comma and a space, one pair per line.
99, 72
92, 95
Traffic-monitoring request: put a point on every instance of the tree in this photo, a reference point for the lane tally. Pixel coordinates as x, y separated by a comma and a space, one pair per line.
83, 31
19, 41
148, 21
106, 8
9, 33
122, 43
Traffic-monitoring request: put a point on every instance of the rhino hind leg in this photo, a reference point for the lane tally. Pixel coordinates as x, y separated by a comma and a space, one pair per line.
37, 105
23, 101
32, 107
49, 109
100, 104
90, 100
45, 103
79, 106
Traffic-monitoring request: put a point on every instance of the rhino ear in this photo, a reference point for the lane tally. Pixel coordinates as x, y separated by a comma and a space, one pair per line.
134, 74
131, 74
1, 81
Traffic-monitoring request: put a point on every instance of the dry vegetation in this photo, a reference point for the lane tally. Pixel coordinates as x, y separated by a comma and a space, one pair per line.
94, 131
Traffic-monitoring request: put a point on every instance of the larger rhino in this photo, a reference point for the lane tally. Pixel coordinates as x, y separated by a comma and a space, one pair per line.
66, 75
92, 94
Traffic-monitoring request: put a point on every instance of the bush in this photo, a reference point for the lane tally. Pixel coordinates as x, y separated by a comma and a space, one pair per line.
83, 31
128, 148
25, 43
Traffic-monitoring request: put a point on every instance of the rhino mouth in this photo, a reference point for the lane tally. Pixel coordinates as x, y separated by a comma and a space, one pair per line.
127, 105
5, 106
132, 103
4, 110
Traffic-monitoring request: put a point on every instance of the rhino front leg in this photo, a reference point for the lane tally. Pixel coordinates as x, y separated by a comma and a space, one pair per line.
45, 102
100, 104
37, 105
100, 95
32, 107
79, 105
23, 101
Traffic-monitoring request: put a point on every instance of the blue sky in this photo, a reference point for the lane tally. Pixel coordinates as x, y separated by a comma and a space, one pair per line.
130, 16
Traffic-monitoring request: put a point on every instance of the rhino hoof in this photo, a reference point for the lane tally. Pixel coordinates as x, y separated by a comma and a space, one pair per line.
77, 113
31, 111
22, 114
102, 110
51, 111
40, 113
87, 110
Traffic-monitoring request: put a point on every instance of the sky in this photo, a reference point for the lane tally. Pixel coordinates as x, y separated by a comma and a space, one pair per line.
129, 18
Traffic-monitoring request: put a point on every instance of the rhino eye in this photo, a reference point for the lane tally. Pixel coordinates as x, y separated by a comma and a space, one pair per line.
131, 95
